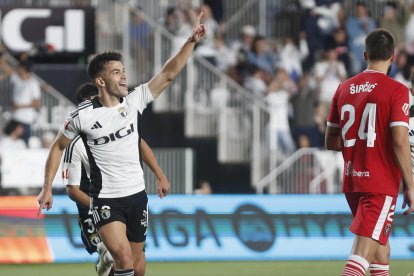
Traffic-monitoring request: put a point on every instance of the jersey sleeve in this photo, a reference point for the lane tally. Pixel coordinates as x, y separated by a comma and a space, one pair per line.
400, 107
333, 116
71, 127
412, 159
411, 131
72, 166
140, 97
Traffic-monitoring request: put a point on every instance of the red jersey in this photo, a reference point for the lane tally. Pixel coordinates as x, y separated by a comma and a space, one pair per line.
365, 108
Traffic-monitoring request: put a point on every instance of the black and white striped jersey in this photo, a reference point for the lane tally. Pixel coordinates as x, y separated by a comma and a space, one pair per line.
75, 166
110, 136
411, 140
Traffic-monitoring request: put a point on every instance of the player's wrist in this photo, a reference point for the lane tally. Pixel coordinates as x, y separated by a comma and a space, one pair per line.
160, 176
192, 38
46, 187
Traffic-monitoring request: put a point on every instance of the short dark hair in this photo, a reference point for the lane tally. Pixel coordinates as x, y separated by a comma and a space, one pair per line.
412, 79
25, 64
11, 126
379, 45
96, 65
391, 4
85, 92
360, 3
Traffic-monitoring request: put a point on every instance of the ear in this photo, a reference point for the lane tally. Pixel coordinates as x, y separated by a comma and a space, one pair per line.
366, 56
99, 82
392, 57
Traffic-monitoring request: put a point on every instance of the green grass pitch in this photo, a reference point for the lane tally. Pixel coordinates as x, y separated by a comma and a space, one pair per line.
282, 268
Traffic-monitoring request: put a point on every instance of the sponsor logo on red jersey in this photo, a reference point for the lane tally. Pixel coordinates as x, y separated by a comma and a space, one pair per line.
406, 108
350, 171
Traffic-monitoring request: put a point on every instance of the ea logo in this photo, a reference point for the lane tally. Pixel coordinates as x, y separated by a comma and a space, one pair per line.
254, 228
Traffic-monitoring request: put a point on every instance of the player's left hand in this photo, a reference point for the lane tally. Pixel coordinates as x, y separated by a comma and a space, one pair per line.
199, 30
163, 186
408, 201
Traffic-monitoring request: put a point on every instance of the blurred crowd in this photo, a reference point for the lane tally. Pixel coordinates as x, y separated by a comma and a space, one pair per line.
298, 74
22, 111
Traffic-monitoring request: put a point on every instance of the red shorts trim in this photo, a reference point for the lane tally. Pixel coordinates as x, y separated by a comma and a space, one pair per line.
373, 215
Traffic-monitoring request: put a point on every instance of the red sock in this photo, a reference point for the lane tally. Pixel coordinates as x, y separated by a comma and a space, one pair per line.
379, 269
356, 266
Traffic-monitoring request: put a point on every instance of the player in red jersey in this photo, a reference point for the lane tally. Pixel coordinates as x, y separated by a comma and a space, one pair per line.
368, 122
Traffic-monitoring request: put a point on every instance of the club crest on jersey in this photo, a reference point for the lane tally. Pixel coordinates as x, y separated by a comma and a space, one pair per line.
105, 212
94, 239
122, 111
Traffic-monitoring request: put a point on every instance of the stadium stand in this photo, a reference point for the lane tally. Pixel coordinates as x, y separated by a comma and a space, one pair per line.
261, 57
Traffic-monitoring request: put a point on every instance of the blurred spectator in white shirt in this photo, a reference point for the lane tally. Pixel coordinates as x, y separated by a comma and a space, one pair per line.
329, 72
292, 55
255, 82
171, 21
12, 138
328, 20
224, 56
280, 90
207, 46
242, 46
26, 94
186, 18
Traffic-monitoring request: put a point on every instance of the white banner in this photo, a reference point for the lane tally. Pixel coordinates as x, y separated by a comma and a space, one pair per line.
25, 169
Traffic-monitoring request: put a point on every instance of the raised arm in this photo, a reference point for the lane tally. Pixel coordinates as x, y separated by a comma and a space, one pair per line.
163, 186
45, 199
175, 64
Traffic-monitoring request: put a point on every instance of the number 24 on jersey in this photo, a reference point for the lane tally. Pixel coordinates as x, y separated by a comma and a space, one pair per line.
367, 123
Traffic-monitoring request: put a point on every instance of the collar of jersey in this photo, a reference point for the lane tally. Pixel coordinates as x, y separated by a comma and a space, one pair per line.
373, 71
96, 103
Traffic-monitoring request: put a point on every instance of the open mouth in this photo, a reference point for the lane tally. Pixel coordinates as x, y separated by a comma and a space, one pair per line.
123, 85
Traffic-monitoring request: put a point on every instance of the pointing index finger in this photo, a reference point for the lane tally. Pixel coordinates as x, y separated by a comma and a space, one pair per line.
39, 211
199, 18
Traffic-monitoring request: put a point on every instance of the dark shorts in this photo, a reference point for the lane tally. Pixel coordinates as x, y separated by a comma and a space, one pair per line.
89, 232
131, 210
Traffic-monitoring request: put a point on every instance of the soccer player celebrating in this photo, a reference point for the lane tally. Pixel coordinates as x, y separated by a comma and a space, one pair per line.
76, 177
368, 122
109, 126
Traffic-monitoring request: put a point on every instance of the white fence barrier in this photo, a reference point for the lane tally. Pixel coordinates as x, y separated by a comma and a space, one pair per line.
24, 169
308, 170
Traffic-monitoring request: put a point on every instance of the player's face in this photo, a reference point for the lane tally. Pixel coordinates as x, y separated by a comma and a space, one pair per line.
115, 79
